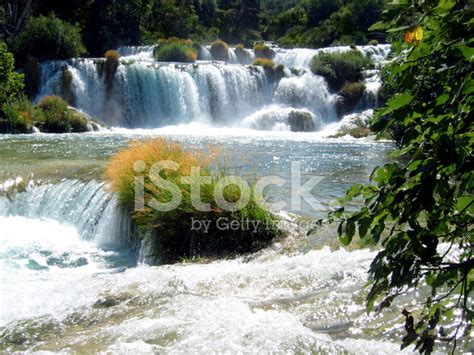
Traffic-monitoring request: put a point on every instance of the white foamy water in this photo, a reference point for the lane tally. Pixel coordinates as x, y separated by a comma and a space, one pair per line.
273, 303
149, 94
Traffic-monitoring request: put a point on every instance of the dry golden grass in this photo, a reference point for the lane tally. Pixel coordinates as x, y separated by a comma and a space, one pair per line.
120, 170
112, 55
264, 62
171, 229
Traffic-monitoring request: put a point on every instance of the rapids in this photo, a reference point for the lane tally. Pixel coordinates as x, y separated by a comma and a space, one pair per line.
71, 279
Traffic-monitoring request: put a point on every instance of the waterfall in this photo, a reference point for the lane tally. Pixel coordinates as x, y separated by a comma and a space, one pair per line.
148, 94
137, 53
88, 207
301, 57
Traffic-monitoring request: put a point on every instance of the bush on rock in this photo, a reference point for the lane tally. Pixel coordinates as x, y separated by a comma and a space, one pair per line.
220, 51
176, 52
56, 117
263, 51
339, 68
170, 234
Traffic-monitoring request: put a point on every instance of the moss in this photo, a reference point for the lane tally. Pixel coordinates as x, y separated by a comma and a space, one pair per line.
301, 121
373, 42
349, 97
263, 62
339, 68
242, 55
110, 68
170, 235
263, 51
220, 50
175, 52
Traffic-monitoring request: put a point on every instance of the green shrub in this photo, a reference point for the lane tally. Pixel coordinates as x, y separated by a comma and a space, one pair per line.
19, 116
77, 122
175, 52
110, 68
350, 95
241, 53
220, 51
373, 42
264, 62
48, 38
263, 51
57, 118
339, 68
11, 83
170, 233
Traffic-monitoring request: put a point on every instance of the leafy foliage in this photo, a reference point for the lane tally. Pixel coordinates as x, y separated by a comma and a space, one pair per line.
109, 24
11, 83
19, 116
420, 208
321, 23
48, 38
339, 68
11, 86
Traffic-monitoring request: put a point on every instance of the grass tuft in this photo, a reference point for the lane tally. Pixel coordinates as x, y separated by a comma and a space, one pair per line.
176, 52
170, 232
263, 62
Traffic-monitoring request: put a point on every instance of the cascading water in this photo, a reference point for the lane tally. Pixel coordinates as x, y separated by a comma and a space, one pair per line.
151, 94
87, 206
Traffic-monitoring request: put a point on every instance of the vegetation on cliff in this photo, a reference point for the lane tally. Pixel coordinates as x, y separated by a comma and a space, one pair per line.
59, 30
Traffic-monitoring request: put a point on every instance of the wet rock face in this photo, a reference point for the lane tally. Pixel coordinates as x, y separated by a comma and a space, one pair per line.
301, 121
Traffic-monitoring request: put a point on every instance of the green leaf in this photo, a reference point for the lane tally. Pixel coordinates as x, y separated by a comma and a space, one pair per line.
398, 29
397, 102
463, 203
378, 26
468, 52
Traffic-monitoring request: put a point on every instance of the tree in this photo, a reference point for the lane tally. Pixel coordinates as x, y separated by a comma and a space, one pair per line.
48, 38
11, 82
15, 13
419, 209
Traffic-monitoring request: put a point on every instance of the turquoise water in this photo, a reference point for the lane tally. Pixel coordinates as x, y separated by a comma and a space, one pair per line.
70, 282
